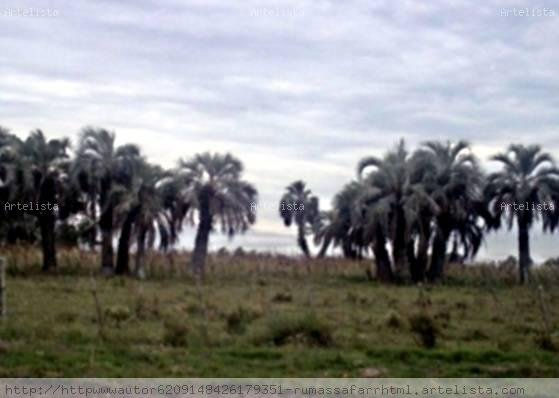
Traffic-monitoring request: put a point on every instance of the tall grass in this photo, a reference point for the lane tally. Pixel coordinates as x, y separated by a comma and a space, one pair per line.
258, 268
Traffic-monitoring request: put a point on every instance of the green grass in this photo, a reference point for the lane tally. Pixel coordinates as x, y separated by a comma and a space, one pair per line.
250, 321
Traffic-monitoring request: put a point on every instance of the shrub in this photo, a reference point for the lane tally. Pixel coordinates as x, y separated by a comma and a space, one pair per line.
118, 313
66, 317
504, 345
545, 342
424, 326
176, 333
357, 299
475, 335
141, 307
144, 308
443, 315
393, 320
194, 308
4, 347
282, 297
238, 320
301, 329
423, 300
496, 319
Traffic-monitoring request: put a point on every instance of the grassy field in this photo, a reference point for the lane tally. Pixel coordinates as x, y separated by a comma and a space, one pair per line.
273, 317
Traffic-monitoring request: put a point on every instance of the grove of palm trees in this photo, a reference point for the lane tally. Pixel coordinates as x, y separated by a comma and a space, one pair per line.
410, 212
411, 219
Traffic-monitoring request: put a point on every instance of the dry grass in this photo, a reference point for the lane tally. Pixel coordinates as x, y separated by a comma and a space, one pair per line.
272, 316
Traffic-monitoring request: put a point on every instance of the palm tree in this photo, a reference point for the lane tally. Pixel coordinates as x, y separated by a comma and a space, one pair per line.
375, 224
215, 190
6, 140
356, 226
161, 212
341, 226
41, 174
298, 205
388, 195
110, 168
7, 155
451, 177
149, 210
126, 213
529, 179
14, 226
87, 179
324, 231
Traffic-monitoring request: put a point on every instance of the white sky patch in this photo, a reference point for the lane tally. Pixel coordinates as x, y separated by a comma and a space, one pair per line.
31, 84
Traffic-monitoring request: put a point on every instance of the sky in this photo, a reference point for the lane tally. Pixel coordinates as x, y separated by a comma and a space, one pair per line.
295, 89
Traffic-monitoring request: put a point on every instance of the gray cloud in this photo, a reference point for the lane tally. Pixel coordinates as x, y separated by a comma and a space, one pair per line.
297, 89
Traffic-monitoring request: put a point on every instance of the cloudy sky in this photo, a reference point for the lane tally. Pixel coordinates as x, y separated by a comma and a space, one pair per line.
296, 89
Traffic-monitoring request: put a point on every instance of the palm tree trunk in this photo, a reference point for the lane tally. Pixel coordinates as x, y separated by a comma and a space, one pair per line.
301, 240
93, 216
122, 257
324, 247
202, 236
382, 259
346, 248
107, 252
106, 224
454, 255
399, 246
48, 245
524, 260
140, 252
413, 261
422, 257
438, 255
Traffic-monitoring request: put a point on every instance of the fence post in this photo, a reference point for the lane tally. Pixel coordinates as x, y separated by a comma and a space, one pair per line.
2, 287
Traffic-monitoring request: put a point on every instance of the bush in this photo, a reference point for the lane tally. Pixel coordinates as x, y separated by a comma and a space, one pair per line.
238, 320
393, 320
118, 313
297, 329
144, 308
475, 335
357, 299
443, 315
141, 307
176, 333
424, 326
545, 342
66, 317
282, 297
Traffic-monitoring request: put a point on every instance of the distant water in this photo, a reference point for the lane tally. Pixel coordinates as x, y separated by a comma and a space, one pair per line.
503, 244
497, 246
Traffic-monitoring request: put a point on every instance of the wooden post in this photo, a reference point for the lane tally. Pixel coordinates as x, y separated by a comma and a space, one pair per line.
2, 287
